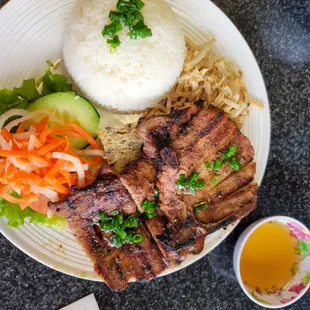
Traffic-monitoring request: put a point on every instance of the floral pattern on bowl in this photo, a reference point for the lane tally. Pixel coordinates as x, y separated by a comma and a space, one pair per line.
300, 272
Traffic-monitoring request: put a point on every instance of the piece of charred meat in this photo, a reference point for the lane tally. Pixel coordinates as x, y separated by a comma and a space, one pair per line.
107, 194
188, 144
116, 265
195, 175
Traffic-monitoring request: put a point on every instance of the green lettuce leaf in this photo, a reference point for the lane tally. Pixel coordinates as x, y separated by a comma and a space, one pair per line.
16, 216
18, 97
53, 83
28, 90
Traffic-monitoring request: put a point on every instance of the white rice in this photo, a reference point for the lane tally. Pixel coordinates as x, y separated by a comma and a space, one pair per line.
140, 73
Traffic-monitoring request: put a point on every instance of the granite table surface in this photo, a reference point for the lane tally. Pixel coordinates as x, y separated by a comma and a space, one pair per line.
278, 32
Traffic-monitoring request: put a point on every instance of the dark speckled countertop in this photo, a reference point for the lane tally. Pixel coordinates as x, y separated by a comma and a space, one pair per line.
278, 32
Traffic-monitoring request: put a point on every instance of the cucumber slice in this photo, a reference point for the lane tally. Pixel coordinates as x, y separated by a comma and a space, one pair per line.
68, 106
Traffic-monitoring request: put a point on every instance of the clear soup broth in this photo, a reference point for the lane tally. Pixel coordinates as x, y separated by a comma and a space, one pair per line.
269, 258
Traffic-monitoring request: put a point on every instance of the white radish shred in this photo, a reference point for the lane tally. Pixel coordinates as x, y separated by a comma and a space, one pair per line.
28, 116
14, 112
76, 163
25, 135
73, 169
91, 153
50, 194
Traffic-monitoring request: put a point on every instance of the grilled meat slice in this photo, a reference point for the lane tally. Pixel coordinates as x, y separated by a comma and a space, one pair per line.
232, 208
106, 194
139, 179
184, 143
157, 131
118, 266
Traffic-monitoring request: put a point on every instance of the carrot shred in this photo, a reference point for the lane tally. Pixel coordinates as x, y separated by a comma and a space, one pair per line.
21, 128
6, 134
42, 124
83, 134
29, 162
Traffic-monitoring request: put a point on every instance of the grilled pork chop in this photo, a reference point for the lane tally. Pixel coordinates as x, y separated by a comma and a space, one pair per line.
117, 266
186, 141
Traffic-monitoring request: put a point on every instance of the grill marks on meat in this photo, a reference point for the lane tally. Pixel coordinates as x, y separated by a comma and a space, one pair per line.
118, 266
194, 136
139, 179
106, 194
179, 143
235, 206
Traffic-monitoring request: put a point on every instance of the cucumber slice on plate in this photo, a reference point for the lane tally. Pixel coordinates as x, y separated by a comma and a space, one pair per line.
68, 106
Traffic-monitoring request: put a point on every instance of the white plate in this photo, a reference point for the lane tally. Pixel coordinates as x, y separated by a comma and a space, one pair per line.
31, 32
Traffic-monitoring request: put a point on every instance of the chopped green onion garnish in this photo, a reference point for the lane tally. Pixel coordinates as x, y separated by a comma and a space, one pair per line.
149, 208
137, 238
235, 164
201, 207
140, 30
116, 17
217, 164
214, 180
128, 12
232, 150
114, 43
111, 29
192, 184
131, 221
120, 228
207, 165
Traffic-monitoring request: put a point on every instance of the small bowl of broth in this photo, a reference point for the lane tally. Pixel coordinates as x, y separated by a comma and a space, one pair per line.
272, 261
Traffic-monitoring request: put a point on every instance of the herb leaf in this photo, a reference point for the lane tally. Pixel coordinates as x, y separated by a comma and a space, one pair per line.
207, 165
28, 90
53, 83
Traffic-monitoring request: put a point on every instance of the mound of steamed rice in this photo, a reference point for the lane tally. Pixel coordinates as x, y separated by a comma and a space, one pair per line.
140, 73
